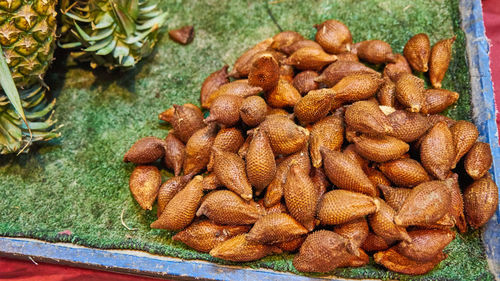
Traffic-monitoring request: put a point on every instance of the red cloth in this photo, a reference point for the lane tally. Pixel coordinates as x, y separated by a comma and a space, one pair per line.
17, 270
491, 12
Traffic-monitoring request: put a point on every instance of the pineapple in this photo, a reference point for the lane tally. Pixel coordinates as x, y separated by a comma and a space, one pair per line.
110, 33
27, 33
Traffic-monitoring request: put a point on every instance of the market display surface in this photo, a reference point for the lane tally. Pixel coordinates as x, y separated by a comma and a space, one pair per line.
83, 169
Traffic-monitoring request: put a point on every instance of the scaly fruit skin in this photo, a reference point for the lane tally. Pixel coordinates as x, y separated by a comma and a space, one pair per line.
425, 244
230, 170
382, 223
253, 110
404, 172
437, 151
243, 64
327, 132
284, 94
174, 154
264, 72
313, 106
239, 249
111, 33
212, 83
366, 117
334, 36
478, 160
305, 81
440, 60
275, 228
237, 88
227, 139
418, 51
197, 153
355, 232
437, 100
464, 137
380, 149
340, 206
410, 92
396, 69
396, 262
374, 51
283, 40
340, 69
408, 126
480, 201
310, 58
260, 163
144, 184
394, 197
169, 189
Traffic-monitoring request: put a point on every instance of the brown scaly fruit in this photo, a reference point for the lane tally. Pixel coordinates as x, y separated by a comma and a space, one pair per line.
240, 249
344, 172
230, 170
480, 201
394, 197
380, 148
464, 137
366, 117
226, 207
174, 153
355, 232
374, 51
253, 111
181, 209
350, 152
320, 180
283, 95
433, 119
227, 139
439, 61
357, 87
327, 132
373, 243
347, 56
310, 58
305, 81
340, 206
144, 184
283, 40
382, 223
197, 153
204, 235
457, 204
301, 44
239, 88
340, 69
437, 100
186, 121
386, 95
396, 262
260, 163
183, 35
301, 196
397, 68
275, 228
404, 172
478, 160
425, 244
410, 92
376, 177
243, 64
213, 82
242, 151
408, 126
285, 136
437, 151
333, 36
169, 189
264, 72
146, 150
291, 246
168, 114
418, 51
427, 203
313, 106
211, 182
225, 110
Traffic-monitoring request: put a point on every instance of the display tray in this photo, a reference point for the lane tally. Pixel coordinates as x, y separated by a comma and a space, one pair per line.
63, 201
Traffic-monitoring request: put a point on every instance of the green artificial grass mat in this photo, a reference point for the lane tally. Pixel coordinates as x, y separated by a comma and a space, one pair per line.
79, 182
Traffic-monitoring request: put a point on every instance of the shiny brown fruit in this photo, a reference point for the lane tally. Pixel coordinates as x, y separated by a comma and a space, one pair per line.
227, 139
396, 262
225, 110
425, 244
433, 119
457, 204
373, 243
230, 170
275, 228
404, 172
437, 151
310, 58
410, 92
211, 182
327, 132
213, 82
380, 149
305, 81
437, 100
260, 163
347, 56
287, 71
174, 153
374, 51
357, 87
382, 223
333, 36
301, 196
386, 95
243, 64
342, 68
242, 151
186, 121
291, 246
313, 106
427, 203
145, 150
478, 160
376, 177
394, 197
340, 206
301, 44
275, 209
240, 249
181, 209
283, 95
350, 151
355, 232
253, 110
168, 115
397, 68
464, 137
183, 35
346, 173
439, 61
322, 251
408, 126
274, 191
197, 153
169, 189
265, 72
366, 117
204, 235
418, 52
144, 184
239, 88
226, 207
283, 40
320, 180
285, 136
480, 201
